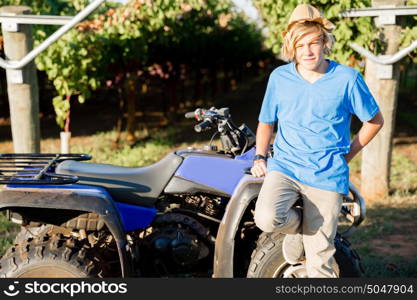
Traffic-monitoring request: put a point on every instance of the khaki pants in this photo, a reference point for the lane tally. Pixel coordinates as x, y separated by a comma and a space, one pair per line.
318, 222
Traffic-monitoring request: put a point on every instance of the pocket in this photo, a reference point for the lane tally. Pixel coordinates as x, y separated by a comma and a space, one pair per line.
328, 107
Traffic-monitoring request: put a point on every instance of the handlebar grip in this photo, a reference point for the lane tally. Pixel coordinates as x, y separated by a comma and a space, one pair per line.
190, 115
203, 126
248, 171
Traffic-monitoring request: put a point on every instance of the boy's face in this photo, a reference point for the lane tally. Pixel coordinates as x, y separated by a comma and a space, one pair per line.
309, 51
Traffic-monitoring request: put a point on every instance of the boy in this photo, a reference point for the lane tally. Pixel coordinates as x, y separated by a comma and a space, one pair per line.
312, 99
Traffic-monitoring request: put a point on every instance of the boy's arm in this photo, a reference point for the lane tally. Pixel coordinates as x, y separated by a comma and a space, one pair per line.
366, 134
263, 138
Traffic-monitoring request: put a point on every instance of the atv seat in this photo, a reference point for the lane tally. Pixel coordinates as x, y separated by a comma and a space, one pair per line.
140, 186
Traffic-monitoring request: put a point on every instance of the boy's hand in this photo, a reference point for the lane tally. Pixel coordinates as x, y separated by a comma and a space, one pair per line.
259, 168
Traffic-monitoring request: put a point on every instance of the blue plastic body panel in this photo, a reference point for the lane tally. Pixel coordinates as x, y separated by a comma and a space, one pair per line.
248, 155
220, 173
135, 217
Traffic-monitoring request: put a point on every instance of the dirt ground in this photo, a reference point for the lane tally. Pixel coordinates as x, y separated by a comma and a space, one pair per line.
403, 243
408, 150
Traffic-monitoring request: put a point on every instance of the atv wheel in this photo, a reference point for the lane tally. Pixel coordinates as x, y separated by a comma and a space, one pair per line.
32, 232
47, 257
268, 260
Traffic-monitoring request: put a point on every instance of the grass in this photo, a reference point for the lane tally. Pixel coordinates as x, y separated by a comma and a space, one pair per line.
8, 231
403, 173
388, 267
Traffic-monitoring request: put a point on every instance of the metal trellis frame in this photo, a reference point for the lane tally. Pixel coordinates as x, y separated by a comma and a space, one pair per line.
10, 23
386, 15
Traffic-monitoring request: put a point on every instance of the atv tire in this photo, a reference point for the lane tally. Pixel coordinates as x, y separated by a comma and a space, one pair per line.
268, 260
47, 257
32, 232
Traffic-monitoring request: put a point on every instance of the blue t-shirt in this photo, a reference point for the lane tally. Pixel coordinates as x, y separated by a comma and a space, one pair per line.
313, 133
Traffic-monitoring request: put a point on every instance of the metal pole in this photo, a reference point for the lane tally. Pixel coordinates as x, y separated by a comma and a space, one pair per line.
22, 85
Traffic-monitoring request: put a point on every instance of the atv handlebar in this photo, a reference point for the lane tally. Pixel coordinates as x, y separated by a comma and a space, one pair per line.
235, 140
190, 115
199, 113
203, 126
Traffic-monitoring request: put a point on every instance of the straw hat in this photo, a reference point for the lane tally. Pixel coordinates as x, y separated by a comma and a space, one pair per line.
305, 12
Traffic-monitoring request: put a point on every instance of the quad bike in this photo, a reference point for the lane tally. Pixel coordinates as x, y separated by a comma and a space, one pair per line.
188, 215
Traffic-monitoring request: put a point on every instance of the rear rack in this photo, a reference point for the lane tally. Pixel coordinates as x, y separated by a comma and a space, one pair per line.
36, 168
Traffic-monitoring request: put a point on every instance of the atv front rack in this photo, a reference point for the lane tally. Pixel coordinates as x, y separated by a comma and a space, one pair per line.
36, 168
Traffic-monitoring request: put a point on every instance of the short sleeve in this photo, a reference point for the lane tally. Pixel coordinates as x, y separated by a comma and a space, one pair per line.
269, 107
361, 102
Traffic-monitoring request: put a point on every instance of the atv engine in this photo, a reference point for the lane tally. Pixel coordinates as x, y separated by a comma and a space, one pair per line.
178, 246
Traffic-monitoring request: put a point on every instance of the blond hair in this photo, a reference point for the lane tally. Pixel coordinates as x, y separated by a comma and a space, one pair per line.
299, 30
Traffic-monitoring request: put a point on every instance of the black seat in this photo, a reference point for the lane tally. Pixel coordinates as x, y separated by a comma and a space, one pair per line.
140, 186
